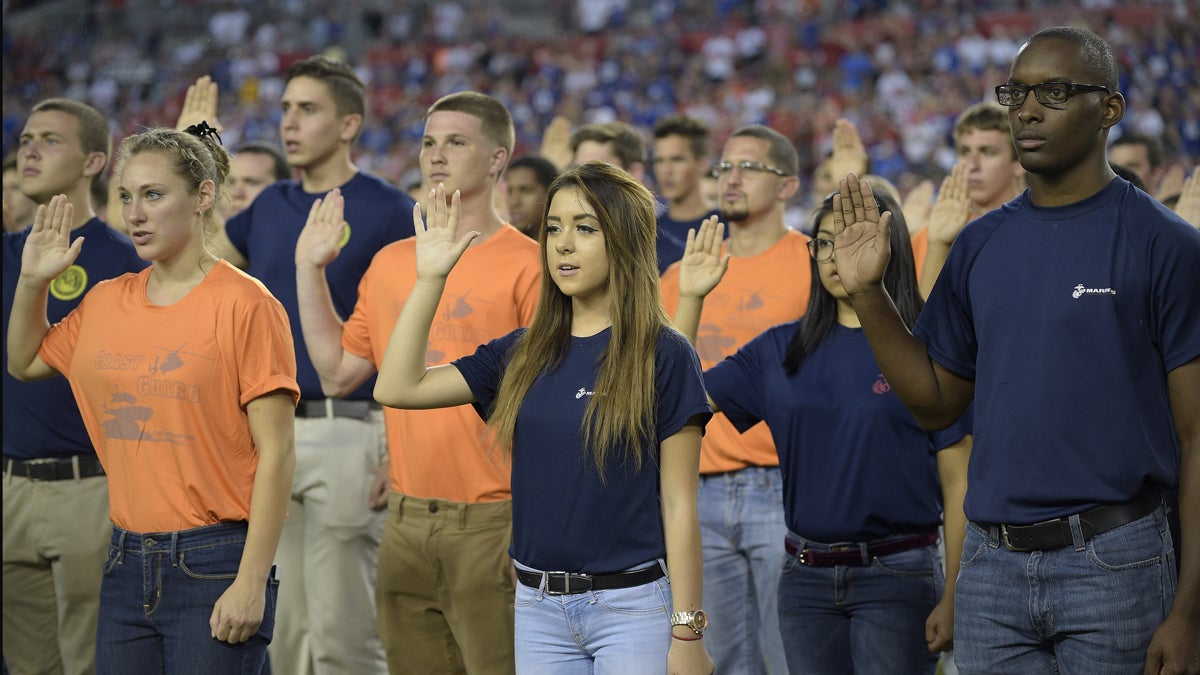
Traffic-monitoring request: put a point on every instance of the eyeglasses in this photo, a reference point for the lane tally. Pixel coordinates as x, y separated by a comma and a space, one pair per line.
722, 168
821, 250
1047, 93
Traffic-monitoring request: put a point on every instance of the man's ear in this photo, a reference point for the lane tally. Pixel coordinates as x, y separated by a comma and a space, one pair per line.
351, 125
95, 163
787, 188
498, 162
1114, 110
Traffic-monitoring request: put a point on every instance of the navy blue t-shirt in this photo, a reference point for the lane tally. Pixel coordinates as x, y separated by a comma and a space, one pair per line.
856, 465
266, 233
564, 518
41, 418
672, 237
1068, 320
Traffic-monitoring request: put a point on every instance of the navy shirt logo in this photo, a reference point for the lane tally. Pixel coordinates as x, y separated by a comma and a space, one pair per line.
1081, 290
70, 284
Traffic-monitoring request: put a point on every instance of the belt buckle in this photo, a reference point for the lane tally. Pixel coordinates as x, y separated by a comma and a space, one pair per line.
584, 583
803, 557
1008, 543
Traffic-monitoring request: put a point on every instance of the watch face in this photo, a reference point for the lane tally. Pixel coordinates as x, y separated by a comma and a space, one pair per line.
699, 620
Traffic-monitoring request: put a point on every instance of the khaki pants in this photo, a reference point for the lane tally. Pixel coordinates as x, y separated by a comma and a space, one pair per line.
325, 617
445, 592
56, 536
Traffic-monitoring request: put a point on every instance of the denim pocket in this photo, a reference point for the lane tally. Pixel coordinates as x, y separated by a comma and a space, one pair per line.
1130, 546
114, 559
975, 543
211, 562
914, 563
645, 599
524, 596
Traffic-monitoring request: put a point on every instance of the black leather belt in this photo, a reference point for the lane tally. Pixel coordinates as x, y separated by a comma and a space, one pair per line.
359, 410
53, 468
1056, 533
851, 555
566, 583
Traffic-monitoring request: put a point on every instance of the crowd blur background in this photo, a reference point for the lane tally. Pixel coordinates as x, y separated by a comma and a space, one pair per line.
901, 71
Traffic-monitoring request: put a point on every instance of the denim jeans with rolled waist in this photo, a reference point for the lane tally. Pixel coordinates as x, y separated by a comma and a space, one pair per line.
741, 531
863, 618
620, 631
157, 597
1089, 607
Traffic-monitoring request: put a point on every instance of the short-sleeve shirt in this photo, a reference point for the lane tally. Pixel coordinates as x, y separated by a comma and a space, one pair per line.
163, 391
376, 215
493, 290
1068, 320
564, 516
856, 465
41, 419
757, 292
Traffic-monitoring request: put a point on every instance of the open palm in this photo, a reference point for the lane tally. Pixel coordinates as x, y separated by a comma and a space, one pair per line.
703, 264
952, 209
321, 239
861, 248
438, 246
49, 250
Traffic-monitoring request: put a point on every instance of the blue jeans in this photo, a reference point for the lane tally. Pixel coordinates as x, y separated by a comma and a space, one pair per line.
868, 619
1088, 608
156, 599
742, 531
623, 631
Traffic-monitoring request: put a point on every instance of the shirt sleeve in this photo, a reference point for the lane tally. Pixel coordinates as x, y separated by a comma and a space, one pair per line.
237, 229
59, 343
679, 384
266, 357
484, 369
735, 384
356, 333
946, 324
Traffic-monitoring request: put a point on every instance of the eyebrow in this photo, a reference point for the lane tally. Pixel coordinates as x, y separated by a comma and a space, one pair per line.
577, 218
142, 187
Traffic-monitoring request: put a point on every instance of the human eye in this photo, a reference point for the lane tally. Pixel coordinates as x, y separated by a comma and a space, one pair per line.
553, 228
125, 197
1056, 92
587, 229
723, 167
153, 195
1014, 92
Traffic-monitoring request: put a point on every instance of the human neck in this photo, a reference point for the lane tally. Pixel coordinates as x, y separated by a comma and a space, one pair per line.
846, 316
333, 172
589, 317
477, 213
79, 197
751, 237
690, 207
171, 280
1072, 184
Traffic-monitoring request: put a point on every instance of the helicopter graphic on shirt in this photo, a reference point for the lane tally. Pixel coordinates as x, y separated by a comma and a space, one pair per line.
173, 361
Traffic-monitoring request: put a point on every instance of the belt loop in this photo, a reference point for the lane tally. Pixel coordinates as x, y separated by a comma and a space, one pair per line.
329, 408
174, 549
862, 551
1077, 537
120, 532
992, 532
75, 467
8, 471
462, 516
663, 564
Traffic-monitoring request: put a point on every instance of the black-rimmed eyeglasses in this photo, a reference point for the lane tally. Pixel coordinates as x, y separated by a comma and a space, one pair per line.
821, 250
721, 168
1047, 93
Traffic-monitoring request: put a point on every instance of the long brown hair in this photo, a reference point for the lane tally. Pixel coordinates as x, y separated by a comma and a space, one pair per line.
623, 407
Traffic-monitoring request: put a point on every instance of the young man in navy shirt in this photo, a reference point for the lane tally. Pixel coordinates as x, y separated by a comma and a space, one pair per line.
680, 163
326, 558
1070, 316
56, 527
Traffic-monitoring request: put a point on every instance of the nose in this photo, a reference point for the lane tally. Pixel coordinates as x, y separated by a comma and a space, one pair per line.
133, 212
565, 243
288, 120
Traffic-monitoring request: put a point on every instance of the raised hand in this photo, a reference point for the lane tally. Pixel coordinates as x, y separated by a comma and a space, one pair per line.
849, 155
703, 264
1170, 184
49, 250
861, 247
199, 104
952, 209
556, 142
438, 246
321, 239
917, 206
1188, 206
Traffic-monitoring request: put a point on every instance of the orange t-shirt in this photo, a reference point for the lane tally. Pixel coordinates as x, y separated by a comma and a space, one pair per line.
920, 246
756, 293
163, 392
492, 291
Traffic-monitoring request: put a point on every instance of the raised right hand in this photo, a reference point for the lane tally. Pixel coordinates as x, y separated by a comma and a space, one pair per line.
321, 239
952, 209
703, 264
438, 249
199, 105
49, 250
861, 246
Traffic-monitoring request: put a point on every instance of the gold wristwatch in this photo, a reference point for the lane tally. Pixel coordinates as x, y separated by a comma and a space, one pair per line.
696, 620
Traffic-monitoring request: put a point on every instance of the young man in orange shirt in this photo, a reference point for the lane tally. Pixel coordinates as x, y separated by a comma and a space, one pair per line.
444, 591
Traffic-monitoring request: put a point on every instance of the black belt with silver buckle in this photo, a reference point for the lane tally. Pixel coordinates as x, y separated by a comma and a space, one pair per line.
317, 407
53, 468
567, 583
851, 555
1056, 533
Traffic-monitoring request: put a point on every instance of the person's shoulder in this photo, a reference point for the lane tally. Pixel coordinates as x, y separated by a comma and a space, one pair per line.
673, 343
511, 238
1153, 217
233, 283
